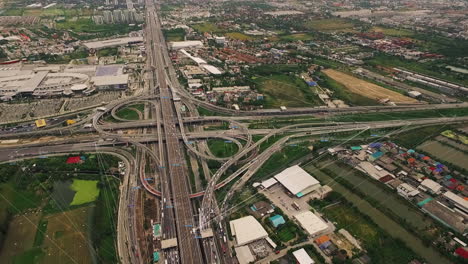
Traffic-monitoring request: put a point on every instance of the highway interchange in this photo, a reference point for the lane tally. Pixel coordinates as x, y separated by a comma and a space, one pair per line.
161, 139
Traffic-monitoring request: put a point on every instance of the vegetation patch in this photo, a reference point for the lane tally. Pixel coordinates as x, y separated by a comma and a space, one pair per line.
206, 27
222, 148
86, 191
286, 90
331, 24
239, 36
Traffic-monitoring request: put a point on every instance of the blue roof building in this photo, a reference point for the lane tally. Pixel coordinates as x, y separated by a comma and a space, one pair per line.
277, 220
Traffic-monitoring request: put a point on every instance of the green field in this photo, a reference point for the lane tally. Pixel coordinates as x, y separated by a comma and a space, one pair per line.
86, 25
331, 24
206, 27
86, 191
295, 37
239, 36
222, 149
284, 90
127, 113
394, 32
49, 12
176, 34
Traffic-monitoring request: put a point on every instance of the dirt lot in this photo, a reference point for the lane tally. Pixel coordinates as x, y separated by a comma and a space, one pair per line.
367, 89
20, 237
68, 230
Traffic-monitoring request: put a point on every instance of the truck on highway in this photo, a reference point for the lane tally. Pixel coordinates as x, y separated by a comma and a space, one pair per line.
88, 126
101, 109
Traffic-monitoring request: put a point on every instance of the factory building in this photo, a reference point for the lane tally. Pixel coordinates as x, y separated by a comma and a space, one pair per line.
311, 223
246, 230
297, 181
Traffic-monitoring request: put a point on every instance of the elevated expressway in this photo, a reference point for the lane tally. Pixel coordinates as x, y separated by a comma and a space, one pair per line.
163, 140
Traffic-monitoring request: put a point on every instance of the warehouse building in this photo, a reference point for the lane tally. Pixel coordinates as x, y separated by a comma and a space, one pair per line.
175, 45
430, 186
244, 255
302, 257
297, 181
247, 230
311, 223
96, 45
457, 201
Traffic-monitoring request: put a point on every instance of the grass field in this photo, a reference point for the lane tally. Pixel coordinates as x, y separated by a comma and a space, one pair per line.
239, 36
67, 238
176, 34
206, 27
367, 89
86, 191
298, 36
331, 24
394, 32
127, 113
49, 12
20, 239
222, 149
284, 90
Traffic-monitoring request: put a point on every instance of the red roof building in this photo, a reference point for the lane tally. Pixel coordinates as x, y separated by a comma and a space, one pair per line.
73, 160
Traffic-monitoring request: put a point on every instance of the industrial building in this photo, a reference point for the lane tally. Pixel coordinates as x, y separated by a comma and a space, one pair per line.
311, 223
244, 255
302, 257
457, 201
246, 230
56, 81
112, 42
297, 181
430, 186
175, 45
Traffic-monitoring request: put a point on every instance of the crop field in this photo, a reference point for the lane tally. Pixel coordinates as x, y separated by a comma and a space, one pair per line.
239, 36
20, 239
86, 191
283, 90
66, 237
331, 24
367, 89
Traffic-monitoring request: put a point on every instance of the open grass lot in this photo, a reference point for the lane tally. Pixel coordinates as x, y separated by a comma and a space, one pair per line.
298, 36
222, 149
331, 24
239, 36
127, 113
176, 34
66, 237
285, 90
367, 89
86, 191
394, 32
206, 27
287, 233
86, 25
20, 239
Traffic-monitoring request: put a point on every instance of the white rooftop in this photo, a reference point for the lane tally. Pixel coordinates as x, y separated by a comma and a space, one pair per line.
247, 229
211, 69
244, 255
311, 222
268, 183
112, 42
295, 179
110, 80
432, 185
302, 257
457, 199
186, 44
